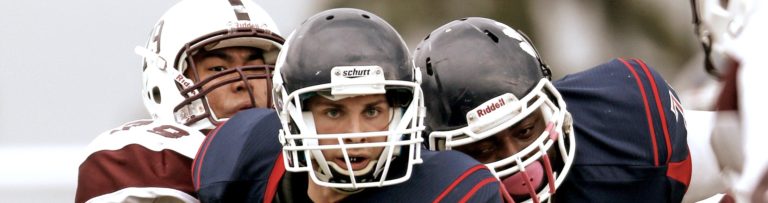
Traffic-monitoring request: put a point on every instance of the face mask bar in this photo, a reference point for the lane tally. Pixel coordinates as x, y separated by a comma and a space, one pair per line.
302, 152
520, 109
553, 136
193, 108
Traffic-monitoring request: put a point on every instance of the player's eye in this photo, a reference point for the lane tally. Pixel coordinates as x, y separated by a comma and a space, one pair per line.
217, 68
482, 151
333, 113
525, 133
371, 112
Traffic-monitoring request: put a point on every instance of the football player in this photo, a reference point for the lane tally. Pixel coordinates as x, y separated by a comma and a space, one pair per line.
612, 133
350, 112
732, 34
204, 61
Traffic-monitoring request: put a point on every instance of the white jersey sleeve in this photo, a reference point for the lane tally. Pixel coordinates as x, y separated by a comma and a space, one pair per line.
140, 161
706, 179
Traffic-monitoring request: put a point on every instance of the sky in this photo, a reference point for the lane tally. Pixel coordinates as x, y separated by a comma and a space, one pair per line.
67, 73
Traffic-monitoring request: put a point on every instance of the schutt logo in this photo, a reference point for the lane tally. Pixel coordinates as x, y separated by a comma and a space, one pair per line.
354, 73
491, 107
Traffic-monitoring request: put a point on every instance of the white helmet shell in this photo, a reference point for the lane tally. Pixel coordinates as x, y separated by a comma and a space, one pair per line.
188, 26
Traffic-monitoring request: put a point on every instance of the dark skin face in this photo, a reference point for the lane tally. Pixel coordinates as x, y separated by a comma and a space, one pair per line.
507, 142
227, 100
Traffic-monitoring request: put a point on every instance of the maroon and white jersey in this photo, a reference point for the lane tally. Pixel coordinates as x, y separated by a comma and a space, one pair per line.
740, 136
140, 161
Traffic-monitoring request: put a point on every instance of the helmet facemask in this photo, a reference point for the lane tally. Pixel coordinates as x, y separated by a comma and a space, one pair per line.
196, 106
534, 171
717, 24
400, 150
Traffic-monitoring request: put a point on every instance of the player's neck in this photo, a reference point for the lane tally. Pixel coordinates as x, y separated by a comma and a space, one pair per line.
321, 194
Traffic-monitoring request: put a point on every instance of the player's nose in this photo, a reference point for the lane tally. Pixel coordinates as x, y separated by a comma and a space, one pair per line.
355, 126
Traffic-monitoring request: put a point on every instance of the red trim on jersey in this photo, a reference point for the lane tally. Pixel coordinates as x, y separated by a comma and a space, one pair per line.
681, 171
659, 108
505, 193
201, 156
274, 178
474, 189
647, 112
457, 181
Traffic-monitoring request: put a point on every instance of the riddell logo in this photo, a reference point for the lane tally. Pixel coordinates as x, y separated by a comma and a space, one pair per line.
246, 24
180, 80
491, 107
354, 73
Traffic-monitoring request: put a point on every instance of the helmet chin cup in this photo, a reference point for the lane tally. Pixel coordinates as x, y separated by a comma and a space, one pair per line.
525, 182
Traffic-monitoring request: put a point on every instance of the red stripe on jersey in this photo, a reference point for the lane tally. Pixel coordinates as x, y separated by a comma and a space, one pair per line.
647, 112
201, 156
681, 171
505, 194
108, 171
457, 181
477, 187
659, 107
274, 178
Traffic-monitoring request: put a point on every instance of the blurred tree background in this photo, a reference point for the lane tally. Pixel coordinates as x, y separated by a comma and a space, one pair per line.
572, 35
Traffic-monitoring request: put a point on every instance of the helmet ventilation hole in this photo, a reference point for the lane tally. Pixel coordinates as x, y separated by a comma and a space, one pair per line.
427, 37
429, 66
156, 95
492, 36
329, 18
366, 16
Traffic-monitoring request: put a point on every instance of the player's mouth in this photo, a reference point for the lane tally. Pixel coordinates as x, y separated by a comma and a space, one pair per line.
240, 107
244, 106
356, 162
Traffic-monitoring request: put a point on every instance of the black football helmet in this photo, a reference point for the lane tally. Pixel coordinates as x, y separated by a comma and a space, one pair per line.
481, 77
341, 53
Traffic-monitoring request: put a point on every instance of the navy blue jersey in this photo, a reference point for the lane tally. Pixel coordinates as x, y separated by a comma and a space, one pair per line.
241, 162
630, 136
235, 161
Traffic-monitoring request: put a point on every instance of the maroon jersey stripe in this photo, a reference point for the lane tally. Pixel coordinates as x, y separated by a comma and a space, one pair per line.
108, 171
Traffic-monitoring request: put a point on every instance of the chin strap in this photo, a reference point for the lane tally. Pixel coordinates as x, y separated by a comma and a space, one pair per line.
340, 175
357, 173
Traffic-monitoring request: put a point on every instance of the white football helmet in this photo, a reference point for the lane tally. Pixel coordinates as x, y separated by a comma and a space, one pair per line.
481, 77
186, 28
717, 23
736, 30
316, 61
